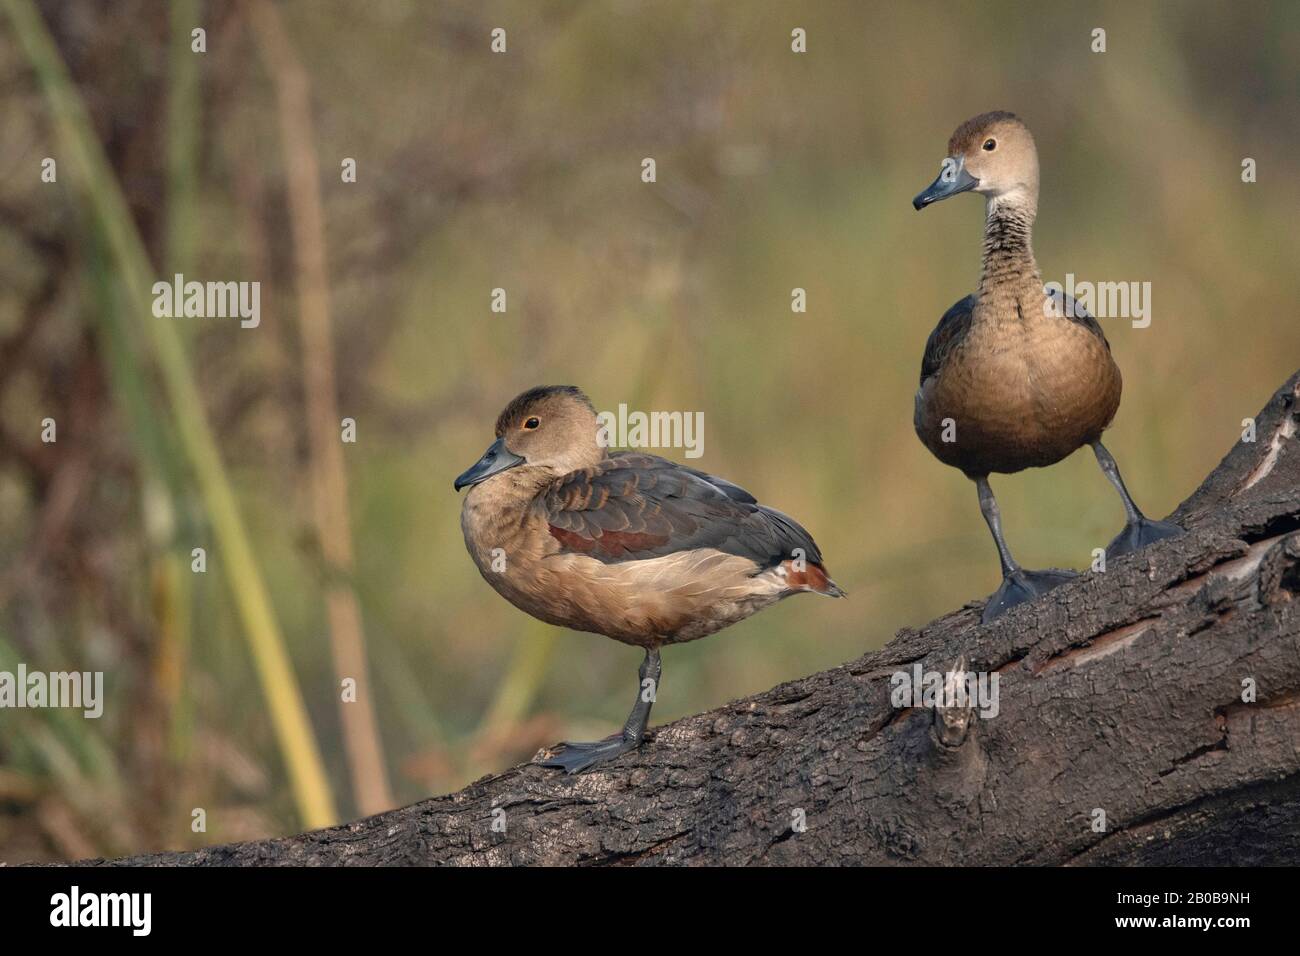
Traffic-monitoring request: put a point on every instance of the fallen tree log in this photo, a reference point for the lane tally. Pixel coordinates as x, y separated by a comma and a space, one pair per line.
1126, 732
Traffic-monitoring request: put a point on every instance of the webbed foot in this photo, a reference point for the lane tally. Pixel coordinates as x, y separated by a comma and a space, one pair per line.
1020, 586
575, 758
1138, 534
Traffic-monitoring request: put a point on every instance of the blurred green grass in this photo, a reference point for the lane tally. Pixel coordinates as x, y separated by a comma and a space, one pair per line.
774, 171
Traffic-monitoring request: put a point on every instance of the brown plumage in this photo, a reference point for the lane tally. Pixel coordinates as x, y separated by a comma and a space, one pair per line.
1023, 396
628, 545
1022, 384
1013, 377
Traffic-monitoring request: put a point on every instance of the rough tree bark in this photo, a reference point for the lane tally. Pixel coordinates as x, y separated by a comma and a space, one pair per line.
1120, 692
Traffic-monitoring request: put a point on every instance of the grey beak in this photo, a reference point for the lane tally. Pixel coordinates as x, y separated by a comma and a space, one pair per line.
953, 179
494, 461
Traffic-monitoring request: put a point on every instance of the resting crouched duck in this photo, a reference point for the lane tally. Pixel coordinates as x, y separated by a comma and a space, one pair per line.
1013, 379
628, 545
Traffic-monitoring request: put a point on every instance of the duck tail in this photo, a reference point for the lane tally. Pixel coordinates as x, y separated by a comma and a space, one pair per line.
813, 578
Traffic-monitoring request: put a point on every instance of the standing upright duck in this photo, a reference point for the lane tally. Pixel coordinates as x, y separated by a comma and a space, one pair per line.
1014, 377
628, 545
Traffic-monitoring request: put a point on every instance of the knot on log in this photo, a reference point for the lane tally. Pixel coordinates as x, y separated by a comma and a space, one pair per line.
955, 710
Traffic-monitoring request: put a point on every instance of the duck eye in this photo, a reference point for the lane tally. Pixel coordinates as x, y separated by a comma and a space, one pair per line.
990, 145
532, 423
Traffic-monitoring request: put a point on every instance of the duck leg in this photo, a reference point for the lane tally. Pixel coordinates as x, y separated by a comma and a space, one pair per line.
1018, 585
1139, 530
575, 758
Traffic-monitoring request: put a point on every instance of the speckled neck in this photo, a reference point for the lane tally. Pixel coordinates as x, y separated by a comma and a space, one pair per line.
1010, 270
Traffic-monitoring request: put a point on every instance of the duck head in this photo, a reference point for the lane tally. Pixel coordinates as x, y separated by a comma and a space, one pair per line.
551, 427
992, 154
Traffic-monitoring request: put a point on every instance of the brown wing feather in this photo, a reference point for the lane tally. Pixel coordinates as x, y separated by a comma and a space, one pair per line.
952, 328
1068, 308
634, 506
